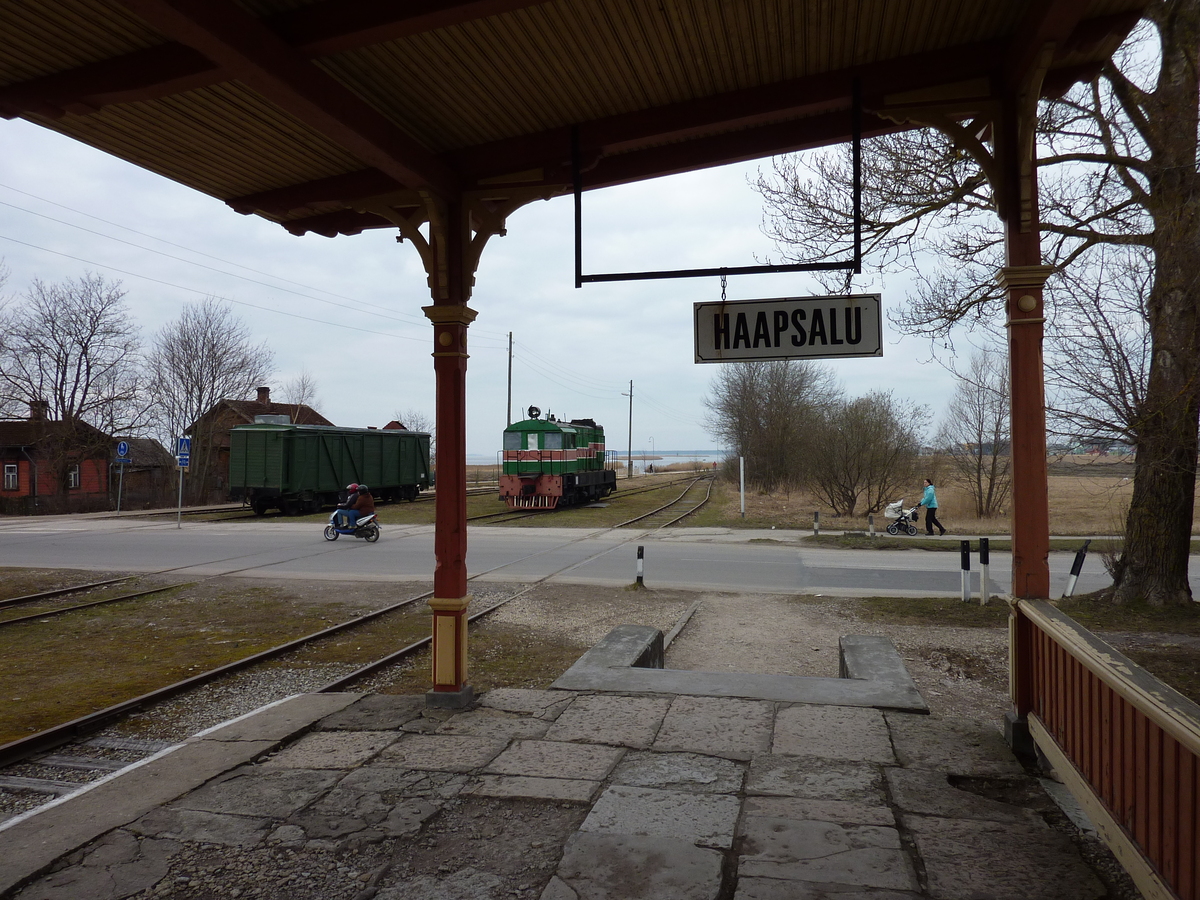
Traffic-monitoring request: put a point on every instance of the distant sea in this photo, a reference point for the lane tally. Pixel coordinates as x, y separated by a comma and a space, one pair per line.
704, 456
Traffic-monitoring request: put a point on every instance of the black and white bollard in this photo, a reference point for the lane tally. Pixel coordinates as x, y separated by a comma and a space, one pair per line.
640, 572
871, 524
817, 522
1076, 568
965, 550
984, 588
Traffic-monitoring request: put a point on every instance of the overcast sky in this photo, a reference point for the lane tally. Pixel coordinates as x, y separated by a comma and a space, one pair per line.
349, 309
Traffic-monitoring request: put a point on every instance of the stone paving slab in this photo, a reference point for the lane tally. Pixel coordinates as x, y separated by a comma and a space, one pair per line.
776, 889
930, 793
117, 866
539, 704
280, 721
833, 732
441, 753
533, 758
601, 719
956, 746
494, 723
861, 856
707, 820
253, 791
840, 812
395, 784
680, 771
376, 712
815, 779
734, 729
524, 787
975, 860
202, 827
623, 867
339, 814
331, 750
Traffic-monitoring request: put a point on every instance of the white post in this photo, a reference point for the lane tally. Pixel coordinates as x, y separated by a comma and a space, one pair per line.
871, 524
120, 485
179, 513
742, 482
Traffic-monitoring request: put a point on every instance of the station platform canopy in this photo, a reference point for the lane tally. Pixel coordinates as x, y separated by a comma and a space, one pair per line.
342, 115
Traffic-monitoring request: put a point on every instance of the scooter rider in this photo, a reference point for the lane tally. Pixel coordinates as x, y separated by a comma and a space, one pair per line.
347, 515
364, 504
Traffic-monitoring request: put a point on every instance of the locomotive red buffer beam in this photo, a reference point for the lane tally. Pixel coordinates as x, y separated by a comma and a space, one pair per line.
531, 491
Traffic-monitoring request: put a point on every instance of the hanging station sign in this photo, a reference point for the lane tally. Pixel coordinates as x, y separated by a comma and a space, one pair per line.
829, 327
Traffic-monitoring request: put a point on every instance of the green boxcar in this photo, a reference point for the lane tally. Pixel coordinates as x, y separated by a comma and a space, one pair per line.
300, 468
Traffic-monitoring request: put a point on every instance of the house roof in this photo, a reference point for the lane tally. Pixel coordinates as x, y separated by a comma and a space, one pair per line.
299, 413
16, 433
338, 115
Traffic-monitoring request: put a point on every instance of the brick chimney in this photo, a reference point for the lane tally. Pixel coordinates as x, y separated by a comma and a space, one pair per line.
264, 395
38, 410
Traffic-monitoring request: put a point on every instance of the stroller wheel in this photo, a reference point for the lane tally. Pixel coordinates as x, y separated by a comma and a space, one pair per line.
892, 529
912, 529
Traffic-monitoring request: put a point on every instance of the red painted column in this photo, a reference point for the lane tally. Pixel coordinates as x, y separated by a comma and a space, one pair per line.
1022, 279
450, 316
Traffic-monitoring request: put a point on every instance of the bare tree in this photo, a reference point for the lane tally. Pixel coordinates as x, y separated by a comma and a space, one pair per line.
975, 436
300, 391
1118, 168
73, 346
766, 413
203, 357
865, 451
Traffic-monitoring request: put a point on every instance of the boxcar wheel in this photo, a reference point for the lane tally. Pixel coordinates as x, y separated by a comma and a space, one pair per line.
892, 529
313, 506
330, 533
259, 507
372, 534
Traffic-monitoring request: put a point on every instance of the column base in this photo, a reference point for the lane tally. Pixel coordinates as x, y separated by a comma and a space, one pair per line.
1019, 738
450, 699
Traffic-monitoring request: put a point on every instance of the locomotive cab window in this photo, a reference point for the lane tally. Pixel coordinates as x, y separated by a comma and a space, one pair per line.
554, 440
531, 443
512, 440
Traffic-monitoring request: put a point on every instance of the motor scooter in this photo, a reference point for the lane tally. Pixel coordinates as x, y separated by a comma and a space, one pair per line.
367, 528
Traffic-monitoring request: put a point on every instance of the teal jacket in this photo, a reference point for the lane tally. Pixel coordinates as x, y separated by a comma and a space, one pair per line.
929, 501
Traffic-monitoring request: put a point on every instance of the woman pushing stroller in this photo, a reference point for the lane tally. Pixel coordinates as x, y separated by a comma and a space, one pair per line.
929, 501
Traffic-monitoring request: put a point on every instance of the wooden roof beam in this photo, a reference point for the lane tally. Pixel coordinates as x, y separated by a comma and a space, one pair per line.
1046, 24
738, 109
332, 26
251, 53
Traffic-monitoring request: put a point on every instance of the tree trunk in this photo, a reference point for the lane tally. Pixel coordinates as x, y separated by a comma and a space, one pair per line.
1154, 564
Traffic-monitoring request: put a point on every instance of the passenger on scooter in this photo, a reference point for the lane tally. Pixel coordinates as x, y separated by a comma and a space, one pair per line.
347, 515
364, 505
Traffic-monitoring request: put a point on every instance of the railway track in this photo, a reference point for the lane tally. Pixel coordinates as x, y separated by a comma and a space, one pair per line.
41, 750
677, 510
509, 515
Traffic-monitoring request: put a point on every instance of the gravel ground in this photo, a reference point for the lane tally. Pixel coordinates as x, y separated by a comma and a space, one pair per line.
960, 672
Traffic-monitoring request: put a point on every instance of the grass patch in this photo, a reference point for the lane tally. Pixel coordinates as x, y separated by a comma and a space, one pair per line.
946, 612
16, 582
1099, 615
1178, 667
69, 666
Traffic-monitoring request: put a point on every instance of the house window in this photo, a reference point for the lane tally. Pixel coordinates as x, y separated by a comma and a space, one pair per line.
73, 477
10, 477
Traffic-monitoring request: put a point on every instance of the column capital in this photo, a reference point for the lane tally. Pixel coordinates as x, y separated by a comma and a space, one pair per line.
449, 604
1011, 278
450, 314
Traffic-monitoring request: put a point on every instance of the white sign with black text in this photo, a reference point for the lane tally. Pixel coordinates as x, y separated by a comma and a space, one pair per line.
789, 328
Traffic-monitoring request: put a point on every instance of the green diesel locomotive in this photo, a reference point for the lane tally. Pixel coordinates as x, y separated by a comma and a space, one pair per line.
548, 463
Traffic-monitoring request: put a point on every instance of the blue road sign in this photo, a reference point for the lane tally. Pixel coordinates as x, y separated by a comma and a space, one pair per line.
184, 447
122, 450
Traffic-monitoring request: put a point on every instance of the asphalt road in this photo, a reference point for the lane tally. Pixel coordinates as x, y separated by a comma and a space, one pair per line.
703, 559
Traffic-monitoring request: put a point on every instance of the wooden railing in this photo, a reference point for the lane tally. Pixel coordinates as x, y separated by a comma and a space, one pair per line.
1126, 745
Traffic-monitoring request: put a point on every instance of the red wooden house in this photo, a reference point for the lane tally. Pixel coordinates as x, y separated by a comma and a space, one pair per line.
50, 466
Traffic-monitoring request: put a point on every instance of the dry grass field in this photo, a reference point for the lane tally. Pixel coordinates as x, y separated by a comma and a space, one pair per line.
1088, 496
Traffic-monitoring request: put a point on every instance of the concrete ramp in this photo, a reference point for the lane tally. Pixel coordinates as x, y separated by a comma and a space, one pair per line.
629, 659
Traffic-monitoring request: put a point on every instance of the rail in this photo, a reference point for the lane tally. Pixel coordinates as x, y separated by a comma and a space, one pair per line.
1127, 745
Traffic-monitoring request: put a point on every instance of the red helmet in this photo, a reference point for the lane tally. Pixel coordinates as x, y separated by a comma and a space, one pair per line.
352, 487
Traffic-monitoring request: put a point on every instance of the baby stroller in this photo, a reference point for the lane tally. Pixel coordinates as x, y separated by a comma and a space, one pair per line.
905, 519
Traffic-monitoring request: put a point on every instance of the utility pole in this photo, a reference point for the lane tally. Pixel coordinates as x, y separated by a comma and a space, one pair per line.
629, 457
509, 413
